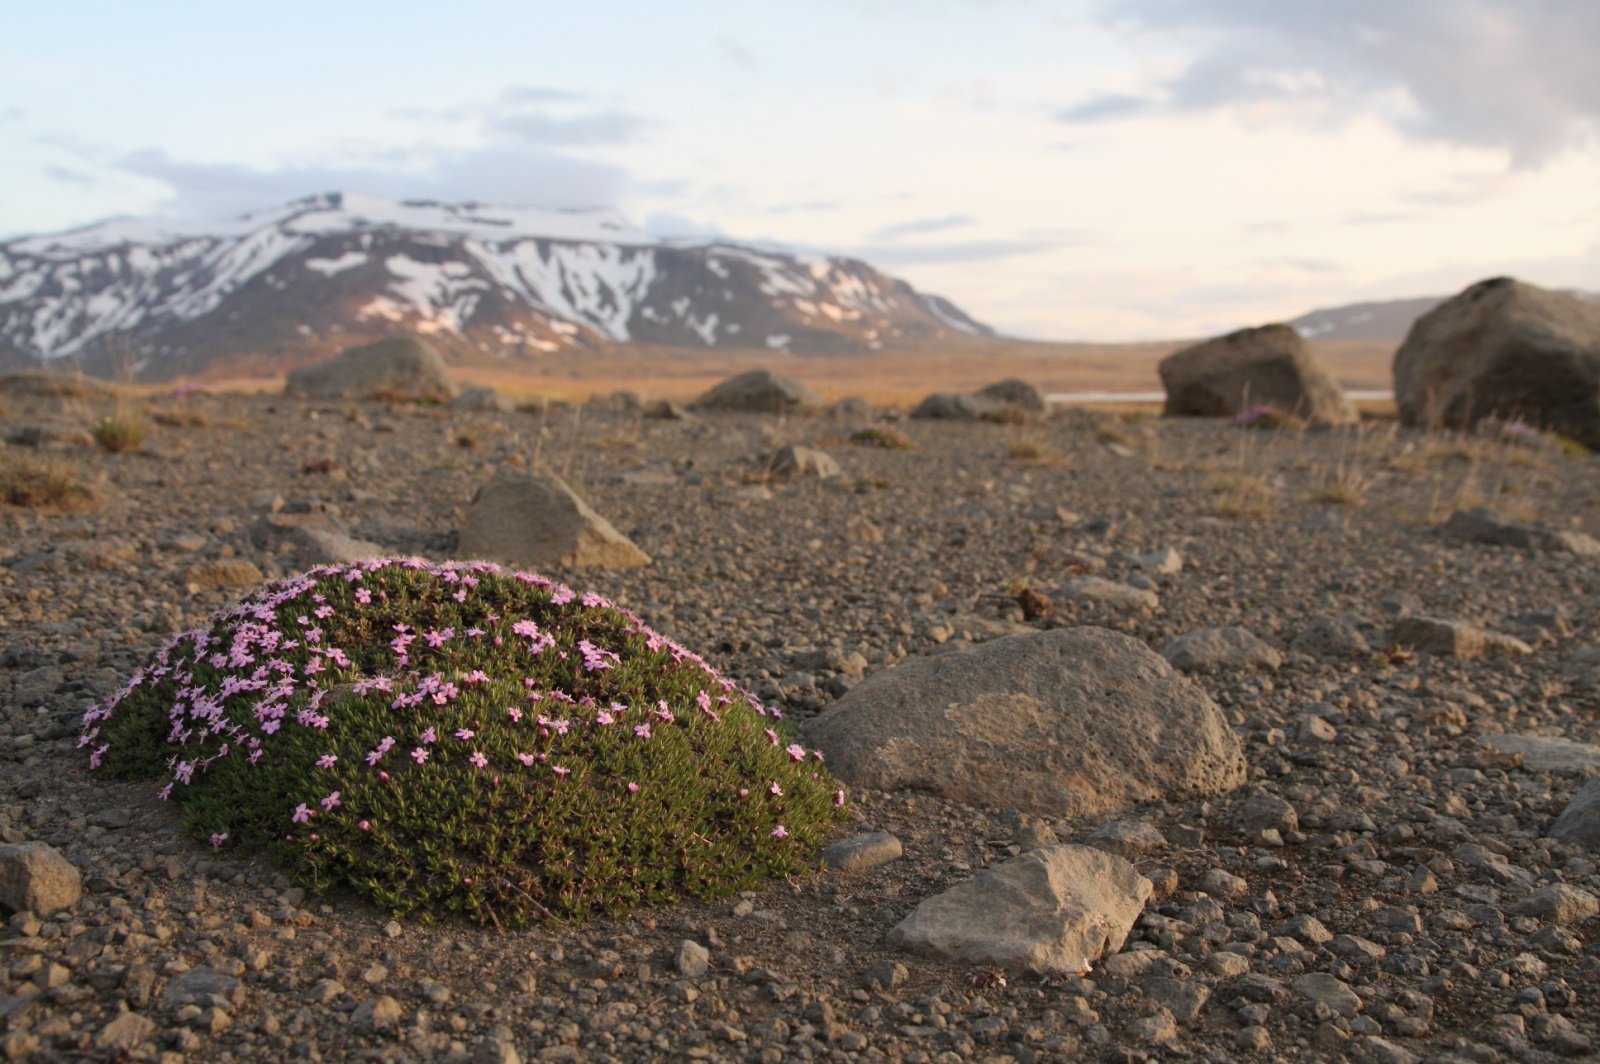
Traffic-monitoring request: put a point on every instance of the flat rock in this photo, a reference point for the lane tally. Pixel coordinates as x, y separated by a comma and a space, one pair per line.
125, 1033
225, 573
1054, 909
36, 878
1126, 838
534, 521
1436, 635
1508, 350
1268, 366
1547, 753
311, 539
1330, 991
1483, 524
760, 391
1068, 721
867, 850
1580, 820
401, 367
952, 406
203, 987
1112, 593
795, 461
1221, 650
1332, 637
1559, 903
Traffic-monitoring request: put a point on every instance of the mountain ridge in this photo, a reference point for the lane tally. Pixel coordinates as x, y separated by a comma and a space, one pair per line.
157, 300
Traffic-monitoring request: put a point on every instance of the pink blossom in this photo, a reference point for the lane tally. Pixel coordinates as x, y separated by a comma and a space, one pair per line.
642, 730
527, 759
780, 832
419, 755
633, 788
302, 814
560, 771
796, 752
516, 714
364, 825
476, 676
430, 736
838, 797
772, 735
478, 759
775, 790
744, 792
331, 801
465, 733
327, 760
218, 839
363, 596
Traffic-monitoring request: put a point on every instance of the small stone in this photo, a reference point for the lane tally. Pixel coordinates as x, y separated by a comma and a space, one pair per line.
125, 1033
1322, 988
324, 992
1126, 838
1261, 812
1315, 730
863, 851
379, 1014
692, 959
1165, 562
1254, 1039
1184, 999
1307, 929
885, 975
1221, 650
224, 574
1032, 836
1157, 1027
495, 1051
1435, 635
795, 461
536, 521
202, 987
1220, 883
1227, 965
1383, 1051
1547, 753
37, 878
1559, 903
1110, 593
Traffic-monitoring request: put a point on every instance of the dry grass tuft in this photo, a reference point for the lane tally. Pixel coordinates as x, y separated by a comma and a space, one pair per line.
1346, 485
120, 431
1242, 494
1028, 444
42, 483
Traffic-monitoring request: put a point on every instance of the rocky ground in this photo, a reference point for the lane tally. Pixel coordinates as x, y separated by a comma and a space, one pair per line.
1380, 848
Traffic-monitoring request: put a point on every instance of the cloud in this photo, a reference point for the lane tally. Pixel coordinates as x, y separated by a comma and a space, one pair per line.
1513, 75
922, 225
608, 127
894, 255
1105, 106
734, 52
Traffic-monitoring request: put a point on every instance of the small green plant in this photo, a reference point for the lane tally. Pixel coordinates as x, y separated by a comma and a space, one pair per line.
885, 436
1345, 485
462, 738
42, 483
119, 432
1266, 417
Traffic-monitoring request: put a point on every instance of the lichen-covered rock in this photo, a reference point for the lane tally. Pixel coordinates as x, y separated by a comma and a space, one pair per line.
1065, 722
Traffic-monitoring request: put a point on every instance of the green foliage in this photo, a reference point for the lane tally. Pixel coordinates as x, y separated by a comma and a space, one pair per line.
884, 436
466, 739
40, 483
119, 432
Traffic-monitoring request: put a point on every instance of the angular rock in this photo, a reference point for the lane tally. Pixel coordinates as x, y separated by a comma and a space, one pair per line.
1547, 753
1580, 821
867, 850
1111, 593
534, 521
1165, 562
1332, 992
692, 960
311, 539
1126, 838
400, 367
1221, 650
1015, 393
1483, 524
1267, 366
1054, 909
36, 878
794, 461
225, 573
125, 1033
1507, 350
1183, 998
202, 986
1263, 812
379, 1014
1331, 637
1559, 903
884, 975
483, 398
760, 391
1070, 721
1435, 635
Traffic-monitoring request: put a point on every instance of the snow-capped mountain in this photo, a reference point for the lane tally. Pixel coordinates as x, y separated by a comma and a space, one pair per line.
276, 288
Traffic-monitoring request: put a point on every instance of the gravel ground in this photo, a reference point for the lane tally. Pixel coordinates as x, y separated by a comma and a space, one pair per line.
1378, 842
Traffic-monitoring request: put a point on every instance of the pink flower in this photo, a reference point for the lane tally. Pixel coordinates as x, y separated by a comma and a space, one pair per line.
527, 759
796, 752
363, 596
775, 790
302, 814
772, 735
816, 755
838, 797
516, 714
365, 825
642, 730
559, 771
430, 736
464, 734
327, 760
744, 792
633, 788
218, 839
419, 755
476, 676
331, 801
780, 832
478, 759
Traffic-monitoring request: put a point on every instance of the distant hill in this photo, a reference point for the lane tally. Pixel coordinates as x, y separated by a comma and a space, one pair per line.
1387, 321
274, 289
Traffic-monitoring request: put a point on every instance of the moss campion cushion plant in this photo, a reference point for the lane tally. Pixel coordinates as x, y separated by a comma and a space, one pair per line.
465, 738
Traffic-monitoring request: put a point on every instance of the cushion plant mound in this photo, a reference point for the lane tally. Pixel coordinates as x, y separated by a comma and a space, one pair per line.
466, 738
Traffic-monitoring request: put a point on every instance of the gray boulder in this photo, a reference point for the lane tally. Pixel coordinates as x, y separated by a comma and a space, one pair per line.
311, 539
36, 878
1056, 909
401, 367
1221, 650
1071, 721
1266, 366
484, 399
1580, 821
951, 406
1547, 753
796, 461
1507, 350
1483, 524
1015, 393
760, 391
1332, 637
1113, 593
534, 521
1436, 635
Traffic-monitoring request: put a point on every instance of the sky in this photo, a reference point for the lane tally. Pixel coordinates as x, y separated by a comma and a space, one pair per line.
1074, 170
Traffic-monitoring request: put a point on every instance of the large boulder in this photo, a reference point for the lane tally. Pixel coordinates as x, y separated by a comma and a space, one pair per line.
1072, 721
401, 367
484, 399
1484, 524
1504, 349
1053, 910
1266, 366
534, 521
760, 391
1016, 393
1579, 822
952, 406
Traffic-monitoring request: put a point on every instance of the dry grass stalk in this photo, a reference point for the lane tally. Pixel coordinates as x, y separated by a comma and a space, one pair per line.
42, 483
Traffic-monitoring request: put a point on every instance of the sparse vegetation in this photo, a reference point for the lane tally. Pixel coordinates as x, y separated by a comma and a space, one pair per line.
1242, 494
1266, 417
120, 431
886, 436
1029, 444
468, 739
36, 482
1344, 485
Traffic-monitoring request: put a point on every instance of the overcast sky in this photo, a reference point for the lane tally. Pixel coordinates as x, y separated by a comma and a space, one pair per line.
1068, 170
